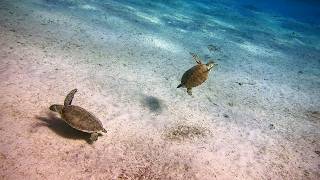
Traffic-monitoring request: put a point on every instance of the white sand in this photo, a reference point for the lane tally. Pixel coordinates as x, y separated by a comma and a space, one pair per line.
127, 77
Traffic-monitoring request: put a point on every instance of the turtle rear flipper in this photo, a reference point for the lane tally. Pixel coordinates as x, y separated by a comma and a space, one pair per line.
93, 137
69, 97
189, 91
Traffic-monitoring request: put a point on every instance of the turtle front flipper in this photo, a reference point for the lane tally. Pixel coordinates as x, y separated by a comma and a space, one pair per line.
69, 97
196, 58
189, 91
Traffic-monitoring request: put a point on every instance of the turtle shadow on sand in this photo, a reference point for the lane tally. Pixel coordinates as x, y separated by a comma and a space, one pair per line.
61, 128
154, 104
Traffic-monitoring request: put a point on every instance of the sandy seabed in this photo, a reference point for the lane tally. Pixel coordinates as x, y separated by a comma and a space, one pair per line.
257, 116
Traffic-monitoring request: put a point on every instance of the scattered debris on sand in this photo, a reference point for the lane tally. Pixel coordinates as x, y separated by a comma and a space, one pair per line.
182, 132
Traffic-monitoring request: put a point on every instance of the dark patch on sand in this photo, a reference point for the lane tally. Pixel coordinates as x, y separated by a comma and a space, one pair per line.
183, 132
155, 163
2, 156
313, 116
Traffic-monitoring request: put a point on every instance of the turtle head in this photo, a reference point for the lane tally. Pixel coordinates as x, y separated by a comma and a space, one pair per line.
104, 130
56, 108
210, 65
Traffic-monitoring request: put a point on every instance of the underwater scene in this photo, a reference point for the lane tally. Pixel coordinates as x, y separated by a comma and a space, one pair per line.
161, 89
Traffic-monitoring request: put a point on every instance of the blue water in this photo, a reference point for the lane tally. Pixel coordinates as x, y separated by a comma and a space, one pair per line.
305, 11
197, 14
275, 43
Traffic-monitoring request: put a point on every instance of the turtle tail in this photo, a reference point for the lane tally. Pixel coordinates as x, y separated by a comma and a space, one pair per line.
180, 85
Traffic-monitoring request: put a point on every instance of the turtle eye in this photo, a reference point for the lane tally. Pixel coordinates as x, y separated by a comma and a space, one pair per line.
53, 108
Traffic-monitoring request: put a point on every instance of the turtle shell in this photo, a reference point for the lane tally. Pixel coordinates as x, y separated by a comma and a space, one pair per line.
195, 76
81, 119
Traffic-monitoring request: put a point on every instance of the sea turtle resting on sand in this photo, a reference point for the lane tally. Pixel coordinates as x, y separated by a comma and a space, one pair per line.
196, 75
78, 117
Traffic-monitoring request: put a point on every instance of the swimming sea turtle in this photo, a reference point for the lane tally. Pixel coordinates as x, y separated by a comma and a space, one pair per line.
79, 118
196, 75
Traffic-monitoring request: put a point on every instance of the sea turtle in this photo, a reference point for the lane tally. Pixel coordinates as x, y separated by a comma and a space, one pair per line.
196, 75
79, 118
